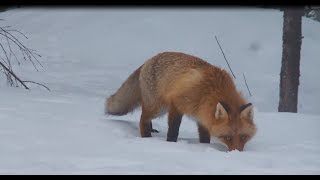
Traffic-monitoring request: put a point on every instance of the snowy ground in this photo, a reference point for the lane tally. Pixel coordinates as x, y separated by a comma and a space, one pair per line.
88, 53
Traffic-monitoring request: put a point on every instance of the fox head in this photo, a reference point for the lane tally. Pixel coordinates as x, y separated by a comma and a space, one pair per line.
234, 127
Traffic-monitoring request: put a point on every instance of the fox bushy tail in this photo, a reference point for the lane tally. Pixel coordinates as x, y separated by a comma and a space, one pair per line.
127, 97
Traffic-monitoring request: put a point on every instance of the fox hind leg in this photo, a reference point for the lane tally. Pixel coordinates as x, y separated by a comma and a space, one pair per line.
145, 128
145, 121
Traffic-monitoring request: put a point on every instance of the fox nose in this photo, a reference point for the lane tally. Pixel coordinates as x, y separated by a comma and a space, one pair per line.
236, 148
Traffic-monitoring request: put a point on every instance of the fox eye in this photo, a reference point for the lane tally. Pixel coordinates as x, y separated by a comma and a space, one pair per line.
243, 137
228, 138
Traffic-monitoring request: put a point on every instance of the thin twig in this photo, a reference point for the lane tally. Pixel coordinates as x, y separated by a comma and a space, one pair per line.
11, 52
5, 53
37, 84
246, 83
224, 56
6, 26
3, 60
17, 32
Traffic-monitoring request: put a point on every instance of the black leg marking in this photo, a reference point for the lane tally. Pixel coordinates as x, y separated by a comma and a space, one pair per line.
146, 131
204, 135
174, 121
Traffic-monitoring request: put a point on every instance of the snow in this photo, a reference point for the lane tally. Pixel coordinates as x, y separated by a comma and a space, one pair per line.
88, 53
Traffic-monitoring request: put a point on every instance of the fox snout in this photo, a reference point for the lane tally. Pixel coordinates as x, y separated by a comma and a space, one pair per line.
239, 148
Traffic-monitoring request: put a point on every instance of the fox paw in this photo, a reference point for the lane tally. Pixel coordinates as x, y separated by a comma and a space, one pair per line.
154, 131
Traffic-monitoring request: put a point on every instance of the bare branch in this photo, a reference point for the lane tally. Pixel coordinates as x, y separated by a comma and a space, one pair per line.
16, 77
244, 77
25, 49
26, 53
224, 56
4, 34
20, 47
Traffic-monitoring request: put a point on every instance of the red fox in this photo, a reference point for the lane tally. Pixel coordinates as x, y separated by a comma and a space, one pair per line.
183, 84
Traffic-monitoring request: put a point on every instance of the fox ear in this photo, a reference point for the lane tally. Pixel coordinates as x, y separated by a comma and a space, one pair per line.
246, 112
221, 112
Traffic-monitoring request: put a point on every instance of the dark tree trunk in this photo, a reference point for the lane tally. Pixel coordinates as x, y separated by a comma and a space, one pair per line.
290, 67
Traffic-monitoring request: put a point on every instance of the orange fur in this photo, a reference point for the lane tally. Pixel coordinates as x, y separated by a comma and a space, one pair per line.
183, 84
